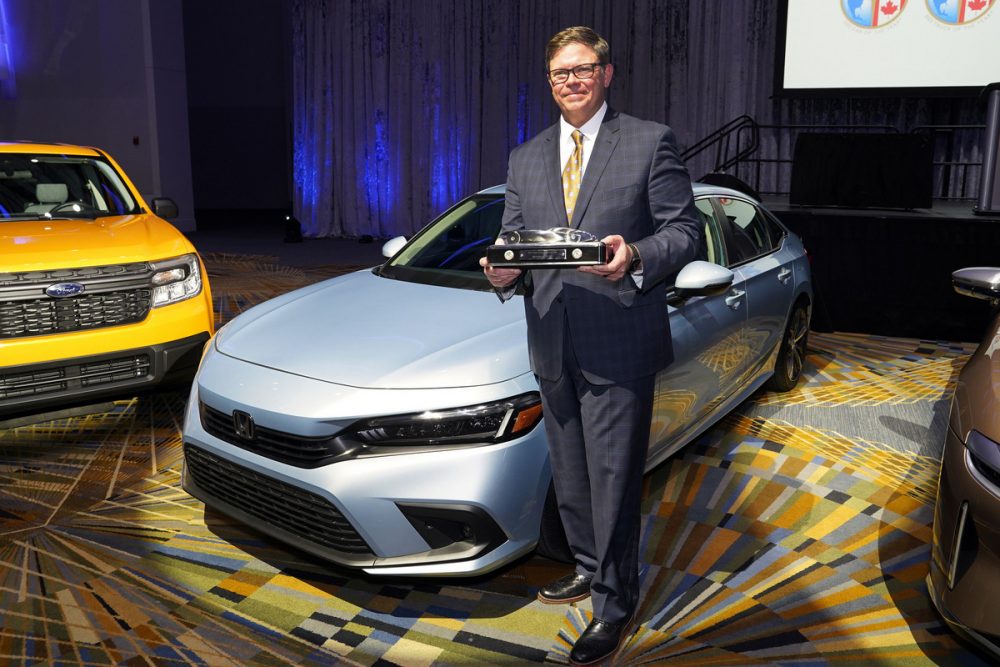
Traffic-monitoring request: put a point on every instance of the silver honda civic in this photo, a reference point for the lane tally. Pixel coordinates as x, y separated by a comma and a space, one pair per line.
387, 420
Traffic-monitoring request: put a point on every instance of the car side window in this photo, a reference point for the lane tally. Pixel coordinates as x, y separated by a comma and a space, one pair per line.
751, 233
712, 250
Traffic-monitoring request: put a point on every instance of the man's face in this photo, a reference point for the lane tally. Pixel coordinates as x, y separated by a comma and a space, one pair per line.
579, 99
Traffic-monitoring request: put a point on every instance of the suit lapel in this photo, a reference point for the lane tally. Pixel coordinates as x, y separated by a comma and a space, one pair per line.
553, 172
604, 146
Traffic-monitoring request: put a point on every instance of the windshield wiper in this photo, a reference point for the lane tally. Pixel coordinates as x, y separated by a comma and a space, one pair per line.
27, 216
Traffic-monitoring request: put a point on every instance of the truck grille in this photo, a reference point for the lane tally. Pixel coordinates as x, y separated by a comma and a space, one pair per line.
281, 505
55, 379
113, 295
76, 274
295, 450
47, 316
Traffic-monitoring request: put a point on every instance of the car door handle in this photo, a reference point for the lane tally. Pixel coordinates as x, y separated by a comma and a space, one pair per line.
735, 298
785, 275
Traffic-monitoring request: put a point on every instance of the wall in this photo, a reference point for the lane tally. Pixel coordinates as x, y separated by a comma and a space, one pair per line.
106, 73
238, 93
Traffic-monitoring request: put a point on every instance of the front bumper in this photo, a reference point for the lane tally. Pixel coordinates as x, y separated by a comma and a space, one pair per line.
34, 388
964, 578
457, 511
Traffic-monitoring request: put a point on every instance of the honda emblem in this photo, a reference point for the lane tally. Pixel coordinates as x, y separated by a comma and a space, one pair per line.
243, 425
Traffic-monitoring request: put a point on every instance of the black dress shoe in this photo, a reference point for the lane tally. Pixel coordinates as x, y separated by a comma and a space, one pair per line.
568, 589
599, 641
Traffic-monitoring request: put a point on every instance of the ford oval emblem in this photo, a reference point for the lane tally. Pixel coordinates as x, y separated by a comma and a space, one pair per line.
61, 290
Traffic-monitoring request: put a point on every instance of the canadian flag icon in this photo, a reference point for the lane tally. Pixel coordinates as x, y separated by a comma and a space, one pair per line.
959, 12
971, 10
874, 13
885, 12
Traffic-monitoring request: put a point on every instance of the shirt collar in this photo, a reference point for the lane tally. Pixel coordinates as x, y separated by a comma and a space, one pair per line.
589, 129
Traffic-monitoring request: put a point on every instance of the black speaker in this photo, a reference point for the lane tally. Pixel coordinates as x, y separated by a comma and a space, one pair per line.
989, 181
862, 170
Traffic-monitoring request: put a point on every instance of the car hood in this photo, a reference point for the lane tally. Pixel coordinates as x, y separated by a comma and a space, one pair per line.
363, 330
50, 244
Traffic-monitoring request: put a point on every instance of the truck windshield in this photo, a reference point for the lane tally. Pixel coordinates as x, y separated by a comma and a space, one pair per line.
37, 186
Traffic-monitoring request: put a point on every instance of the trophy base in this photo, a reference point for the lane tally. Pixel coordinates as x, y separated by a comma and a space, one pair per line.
547, 255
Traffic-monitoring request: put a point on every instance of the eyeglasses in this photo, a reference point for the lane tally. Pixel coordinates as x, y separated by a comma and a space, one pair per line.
585, 71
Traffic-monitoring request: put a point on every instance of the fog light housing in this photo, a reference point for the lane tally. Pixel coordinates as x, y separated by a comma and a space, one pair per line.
457, 528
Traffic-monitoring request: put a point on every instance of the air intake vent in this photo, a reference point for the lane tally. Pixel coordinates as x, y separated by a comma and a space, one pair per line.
991, 475
56, 379
281, 505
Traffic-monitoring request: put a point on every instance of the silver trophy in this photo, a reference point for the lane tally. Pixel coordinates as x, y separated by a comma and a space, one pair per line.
556, 248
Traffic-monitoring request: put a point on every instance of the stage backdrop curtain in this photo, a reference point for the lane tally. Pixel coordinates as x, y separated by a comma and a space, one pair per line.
400, 108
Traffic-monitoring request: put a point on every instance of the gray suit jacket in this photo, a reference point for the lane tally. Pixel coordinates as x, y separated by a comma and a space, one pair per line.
635, 185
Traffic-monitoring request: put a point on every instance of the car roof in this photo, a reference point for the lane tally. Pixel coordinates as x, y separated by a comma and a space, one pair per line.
43, 148
700, 190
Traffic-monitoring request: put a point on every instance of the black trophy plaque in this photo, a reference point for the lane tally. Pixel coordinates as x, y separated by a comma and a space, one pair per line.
557, 248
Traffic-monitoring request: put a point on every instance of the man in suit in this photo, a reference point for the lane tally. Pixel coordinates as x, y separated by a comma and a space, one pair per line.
598, 335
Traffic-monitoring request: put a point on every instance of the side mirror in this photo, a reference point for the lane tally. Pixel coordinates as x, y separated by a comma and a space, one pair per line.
165, 208
700, 278
392, 246
979, 282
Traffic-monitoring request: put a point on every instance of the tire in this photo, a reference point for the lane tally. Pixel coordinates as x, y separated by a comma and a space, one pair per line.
792, 355
551, 536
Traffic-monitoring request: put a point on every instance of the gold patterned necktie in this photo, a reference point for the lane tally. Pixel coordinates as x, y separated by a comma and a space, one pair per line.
573, 174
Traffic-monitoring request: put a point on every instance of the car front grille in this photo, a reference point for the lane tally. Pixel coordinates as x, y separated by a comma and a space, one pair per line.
281, 505
55, 379
296, 450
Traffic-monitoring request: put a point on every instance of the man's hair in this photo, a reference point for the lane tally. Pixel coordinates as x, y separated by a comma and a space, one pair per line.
578, 35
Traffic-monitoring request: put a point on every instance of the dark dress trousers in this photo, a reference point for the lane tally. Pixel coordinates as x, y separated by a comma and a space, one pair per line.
596, 344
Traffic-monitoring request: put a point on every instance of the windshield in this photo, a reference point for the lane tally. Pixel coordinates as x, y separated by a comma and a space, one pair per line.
61, 186
446, 252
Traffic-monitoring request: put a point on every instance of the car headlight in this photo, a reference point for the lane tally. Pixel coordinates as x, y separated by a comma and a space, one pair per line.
480, 424
175, 280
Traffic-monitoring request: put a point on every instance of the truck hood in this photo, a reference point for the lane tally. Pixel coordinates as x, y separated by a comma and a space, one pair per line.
51, 244
363, 330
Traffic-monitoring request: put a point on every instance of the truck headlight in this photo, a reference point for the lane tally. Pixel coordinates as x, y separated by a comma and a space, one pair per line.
175, 280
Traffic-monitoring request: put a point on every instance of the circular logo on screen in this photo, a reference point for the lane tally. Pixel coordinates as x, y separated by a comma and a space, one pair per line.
873, 13
959, 12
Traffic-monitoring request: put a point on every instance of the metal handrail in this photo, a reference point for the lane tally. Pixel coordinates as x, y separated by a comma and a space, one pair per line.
721, 139
782, 161
738, 147
953, 175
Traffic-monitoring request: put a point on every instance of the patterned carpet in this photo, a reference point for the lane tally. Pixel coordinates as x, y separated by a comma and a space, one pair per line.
796, 532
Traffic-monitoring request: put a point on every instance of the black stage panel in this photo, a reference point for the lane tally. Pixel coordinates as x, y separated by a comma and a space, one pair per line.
889, 273
862, 170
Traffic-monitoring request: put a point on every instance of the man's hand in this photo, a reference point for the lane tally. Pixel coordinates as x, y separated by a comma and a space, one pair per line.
621, 259
498, 277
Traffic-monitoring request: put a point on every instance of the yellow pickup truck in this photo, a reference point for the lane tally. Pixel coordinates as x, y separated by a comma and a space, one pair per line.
100, 297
